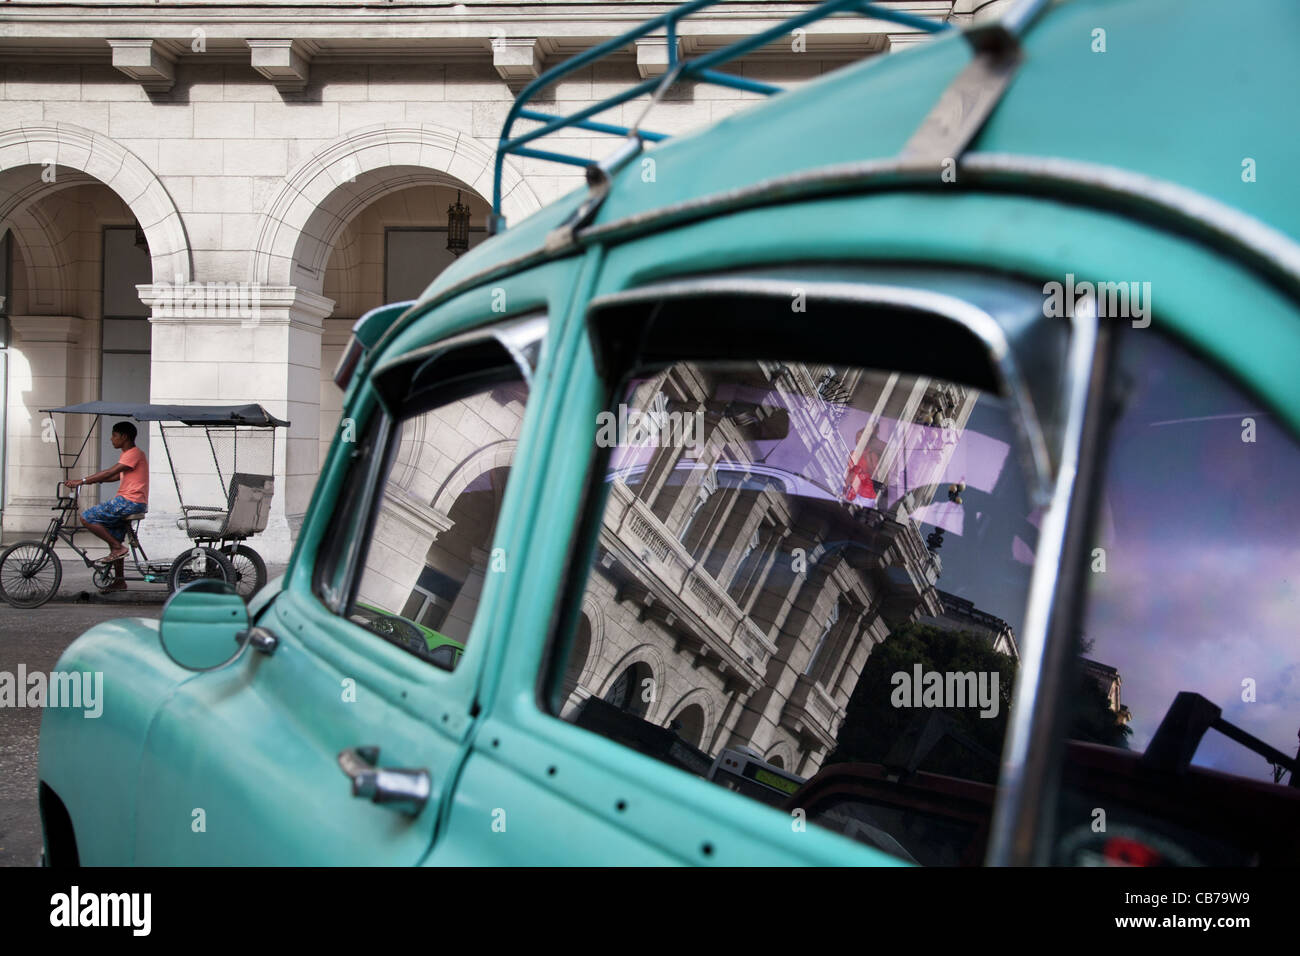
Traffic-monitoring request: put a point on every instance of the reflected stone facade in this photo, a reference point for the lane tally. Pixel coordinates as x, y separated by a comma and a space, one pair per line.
738, 609
429, 550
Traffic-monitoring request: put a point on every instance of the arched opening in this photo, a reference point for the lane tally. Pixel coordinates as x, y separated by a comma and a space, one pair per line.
447, 595
776, 760
390, 248
689, 724
77, 331
633, 691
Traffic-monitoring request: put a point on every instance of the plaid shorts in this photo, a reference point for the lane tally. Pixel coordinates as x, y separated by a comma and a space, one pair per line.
112, 514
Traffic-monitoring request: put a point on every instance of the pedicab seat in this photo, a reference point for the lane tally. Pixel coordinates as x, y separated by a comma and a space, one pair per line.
248, 506
202, 522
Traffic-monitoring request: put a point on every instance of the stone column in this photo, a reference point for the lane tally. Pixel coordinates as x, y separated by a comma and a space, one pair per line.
233, 344
45, 371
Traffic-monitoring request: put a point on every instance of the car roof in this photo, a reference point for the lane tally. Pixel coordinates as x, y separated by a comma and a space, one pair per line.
1179, 95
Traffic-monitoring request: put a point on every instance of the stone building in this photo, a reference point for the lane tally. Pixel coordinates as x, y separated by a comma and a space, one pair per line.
198, 199
745, 582
1110, 683
960, 614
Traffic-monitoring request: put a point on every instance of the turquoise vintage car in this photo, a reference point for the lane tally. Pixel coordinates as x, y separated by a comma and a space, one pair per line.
900, 471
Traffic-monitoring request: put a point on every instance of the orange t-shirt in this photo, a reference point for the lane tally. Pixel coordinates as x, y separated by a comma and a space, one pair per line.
135, 481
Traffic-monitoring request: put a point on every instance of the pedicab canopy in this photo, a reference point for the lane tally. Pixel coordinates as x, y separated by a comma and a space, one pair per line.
240, 440
186, 414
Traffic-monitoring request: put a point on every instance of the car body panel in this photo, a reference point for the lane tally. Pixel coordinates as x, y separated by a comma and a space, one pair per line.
270, 728
93, 764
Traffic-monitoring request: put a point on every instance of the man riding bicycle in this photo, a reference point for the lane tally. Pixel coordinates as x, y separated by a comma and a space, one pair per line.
107, 520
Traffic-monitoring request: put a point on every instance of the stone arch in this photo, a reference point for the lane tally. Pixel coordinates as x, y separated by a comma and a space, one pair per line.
783, 752
45, 261
595, 616
303, 220
25, 151
699, 697
497, 454
650, 656
349, 259
591, 624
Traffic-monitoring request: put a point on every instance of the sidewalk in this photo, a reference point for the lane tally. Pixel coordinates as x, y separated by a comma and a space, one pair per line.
76, 585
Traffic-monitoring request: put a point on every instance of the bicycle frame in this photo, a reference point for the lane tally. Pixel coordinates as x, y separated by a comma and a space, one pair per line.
59, 530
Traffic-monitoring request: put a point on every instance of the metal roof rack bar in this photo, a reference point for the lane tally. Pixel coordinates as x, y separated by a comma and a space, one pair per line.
591, 125
699, 69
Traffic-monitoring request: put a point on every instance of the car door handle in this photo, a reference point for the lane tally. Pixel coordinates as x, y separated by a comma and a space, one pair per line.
259, 638
403, 790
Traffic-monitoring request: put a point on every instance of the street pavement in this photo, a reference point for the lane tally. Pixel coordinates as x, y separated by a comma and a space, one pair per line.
36, 638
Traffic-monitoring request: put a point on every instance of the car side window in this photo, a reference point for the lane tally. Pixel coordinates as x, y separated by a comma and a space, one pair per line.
807, 588
429, 547
1186, 694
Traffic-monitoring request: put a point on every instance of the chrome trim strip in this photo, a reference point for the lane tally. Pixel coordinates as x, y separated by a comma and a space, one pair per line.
1025, 794
1034, 458
350, 560
519, 336
1276, 251
1275, 248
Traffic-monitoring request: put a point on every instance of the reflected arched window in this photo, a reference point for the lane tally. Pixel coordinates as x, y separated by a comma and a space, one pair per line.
689, 724
708, 485
633, 691
820, 646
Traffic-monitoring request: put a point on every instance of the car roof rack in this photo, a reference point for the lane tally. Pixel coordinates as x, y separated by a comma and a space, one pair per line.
700, 69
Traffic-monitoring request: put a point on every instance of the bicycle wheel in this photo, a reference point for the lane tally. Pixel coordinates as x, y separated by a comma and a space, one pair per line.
250, 570
30, 573
199, 563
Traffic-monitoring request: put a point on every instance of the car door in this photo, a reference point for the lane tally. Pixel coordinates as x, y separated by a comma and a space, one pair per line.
337, 742
778, 585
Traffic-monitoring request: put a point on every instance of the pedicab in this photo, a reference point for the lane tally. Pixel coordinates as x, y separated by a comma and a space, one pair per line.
235, 490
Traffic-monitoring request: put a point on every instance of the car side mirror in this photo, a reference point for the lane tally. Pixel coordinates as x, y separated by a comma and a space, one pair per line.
200, 621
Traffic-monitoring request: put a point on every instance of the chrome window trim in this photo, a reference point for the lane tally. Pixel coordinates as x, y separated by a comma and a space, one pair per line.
521, 336
1026, 785
1272, 249
980, 323
337, 598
